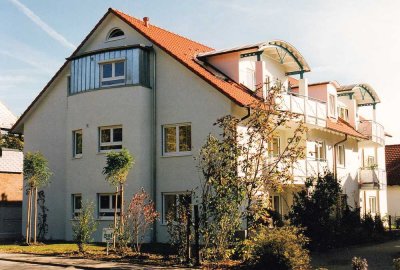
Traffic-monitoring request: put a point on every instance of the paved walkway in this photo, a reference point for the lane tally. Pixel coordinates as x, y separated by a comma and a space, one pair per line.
68, 262
379, 256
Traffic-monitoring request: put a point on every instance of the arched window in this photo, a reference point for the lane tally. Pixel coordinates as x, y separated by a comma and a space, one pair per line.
115, 33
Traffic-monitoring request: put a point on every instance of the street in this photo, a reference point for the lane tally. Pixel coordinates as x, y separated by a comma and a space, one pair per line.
7, 265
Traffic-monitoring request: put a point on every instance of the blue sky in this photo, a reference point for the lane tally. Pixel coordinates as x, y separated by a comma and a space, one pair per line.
348, 41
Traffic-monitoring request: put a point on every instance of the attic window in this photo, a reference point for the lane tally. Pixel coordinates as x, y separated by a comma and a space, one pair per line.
115, 34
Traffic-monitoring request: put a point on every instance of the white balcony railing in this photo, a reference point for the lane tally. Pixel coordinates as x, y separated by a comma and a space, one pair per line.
373, 130
308, 168
371, 177
313, 110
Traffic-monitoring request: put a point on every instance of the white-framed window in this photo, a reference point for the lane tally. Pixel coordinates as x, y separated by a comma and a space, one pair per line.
177, 139
332, 105
344, 113
276, 204
78, 143
171, 201
112, 73
372, 204
110, 138
274, 147
370, 161
320, 150
115, 34
341, 158
76, 204
107, 205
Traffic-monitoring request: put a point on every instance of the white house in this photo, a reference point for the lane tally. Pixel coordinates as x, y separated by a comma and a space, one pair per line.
132, 84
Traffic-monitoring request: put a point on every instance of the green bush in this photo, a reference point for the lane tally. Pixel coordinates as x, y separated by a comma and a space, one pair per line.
280, 248
396, 264
83, 226
358, 263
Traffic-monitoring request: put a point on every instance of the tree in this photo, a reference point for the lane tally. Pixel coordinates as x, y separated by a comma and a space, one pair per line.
12, 141
141, 215
240, 167
116, 171
36, 174
83, 226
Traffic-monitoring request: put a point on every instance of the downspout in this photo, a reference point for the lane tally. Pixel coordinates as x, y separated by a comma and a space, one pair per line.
334, 155
247, 115
154, 145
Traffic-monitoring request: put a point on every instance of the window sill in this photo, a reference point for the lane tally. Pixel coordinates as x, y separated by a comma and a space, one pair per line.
77, 157
105, 152
114, 39
183, 154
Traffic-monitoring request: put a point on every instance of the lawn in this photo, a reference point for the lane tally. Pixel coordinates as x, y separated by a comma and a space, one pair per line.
51, 249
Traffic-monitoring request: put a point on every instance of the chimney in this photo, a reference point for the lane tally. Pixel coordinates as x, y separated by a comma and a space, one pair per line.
146, 21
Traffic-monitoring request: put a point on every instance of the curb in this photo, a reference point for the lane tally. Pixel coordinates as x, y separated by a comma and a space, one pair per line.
57, 264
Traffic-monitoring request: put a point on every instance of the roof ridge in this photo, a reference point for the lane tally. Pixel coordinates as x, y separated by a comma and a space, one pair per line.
161, 28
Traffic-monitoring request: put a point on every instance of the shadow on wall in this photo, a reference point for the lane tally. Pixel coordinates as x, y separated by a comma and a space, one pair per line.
3, 197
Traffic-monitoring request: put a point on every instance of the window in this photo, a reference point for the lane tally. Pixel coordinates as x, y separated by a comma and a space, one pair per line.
115, 34
77, 137
112, 73
171, 202
341, 159
332, 105
107, 205
372, 205
370, 161
320, 150
110, 138
76, 204
274, 147
344, 113
177, 139
275, 202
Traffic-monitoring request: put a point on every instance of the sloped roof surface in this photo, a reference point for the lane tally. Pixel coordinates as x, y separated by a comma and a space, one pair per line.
392, 156
7, 118
11, 161
343, 127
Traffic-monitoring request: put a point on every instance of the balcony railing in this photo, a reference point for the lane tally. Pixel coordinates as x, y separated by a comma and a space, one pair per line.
372, 177
308, 168
373, 130
313, 110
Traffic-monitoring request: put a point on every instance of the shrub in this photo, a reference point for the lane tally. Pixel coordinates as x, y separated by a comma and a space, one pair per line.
280, 248
83, 226
358, 263
396, 264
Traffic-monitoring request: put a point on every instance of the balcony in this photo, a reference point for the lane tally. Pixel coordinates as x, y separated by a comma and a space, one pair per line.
308, 168
372, 130
313, 110
371, 178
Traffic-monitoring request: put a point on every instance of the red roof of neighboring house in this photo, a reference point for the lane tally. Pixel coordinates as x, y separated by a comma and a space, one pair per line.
343, 127
392, 156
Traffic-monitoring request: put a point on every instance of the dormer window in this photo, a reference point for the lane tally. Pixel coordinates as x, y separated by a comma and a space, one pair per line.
115, 34
344, 113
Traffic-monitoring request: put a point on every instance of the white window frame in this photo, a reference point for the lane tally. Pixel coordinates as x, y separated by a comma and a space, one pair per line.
75, 154
177, 152
113, 77
321, 149
108, 39
76, 211
332, 105
372, 204
107, 210
112, 142
344, 113
271, 148
338, 159
273, 206
176, 194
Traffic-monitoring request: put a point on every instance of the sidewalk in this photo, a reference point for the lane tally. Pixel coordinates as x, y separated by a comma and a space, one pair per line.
77, 263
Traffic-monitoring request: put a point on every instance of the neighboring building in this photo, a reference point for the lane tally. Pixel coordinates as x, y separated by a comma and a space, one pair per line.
131, 84
392, 153
10, 182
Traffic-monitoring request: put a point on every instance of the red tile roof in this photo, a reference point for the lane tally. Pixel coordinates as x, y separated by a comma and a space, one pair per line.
392, 156
185, 50
343, 127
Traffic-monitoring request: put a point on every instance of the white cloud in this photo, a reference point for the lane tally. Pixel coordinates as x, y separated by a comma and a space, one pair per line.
44, 26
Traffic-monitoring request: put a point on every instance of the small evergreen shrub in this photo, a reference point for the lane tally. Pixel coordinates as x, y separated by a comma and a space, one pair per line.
358, 263
280, 248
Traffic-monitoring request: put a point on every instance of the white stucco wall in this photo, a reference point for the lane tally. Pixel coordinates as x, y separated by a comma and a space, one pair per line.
393, 200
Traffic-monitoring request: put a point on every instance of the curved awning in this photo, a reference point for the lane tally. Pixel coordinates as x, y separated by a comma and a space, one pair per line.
363, 93
278, 50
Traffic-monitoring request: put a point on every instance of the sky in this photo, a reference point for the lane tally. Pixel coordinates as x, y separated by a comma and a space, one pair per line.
350, 41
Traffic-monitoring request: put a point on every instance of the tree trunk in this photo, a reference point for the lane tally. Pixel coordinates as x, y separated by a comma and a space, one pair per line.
115, 216
28, 215
35, 215
121, 213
